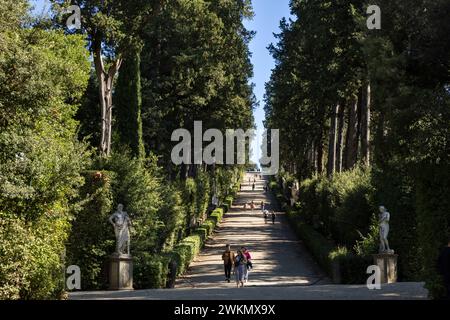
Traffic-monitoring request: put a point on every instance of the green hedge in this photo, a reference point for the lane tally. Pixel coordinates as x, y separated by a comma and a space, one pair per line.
227, 203
217, 215
433, 217
339, 263
150, 271
185, 251
92, 238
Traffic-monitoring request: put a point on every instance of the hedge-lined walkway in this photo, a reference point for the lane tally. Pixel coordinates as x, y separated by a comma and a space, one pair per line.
283, 268
279, 259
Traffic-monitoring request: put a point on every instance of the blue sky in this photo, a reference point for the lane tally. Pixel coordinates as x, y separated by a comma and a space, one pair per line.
268, 14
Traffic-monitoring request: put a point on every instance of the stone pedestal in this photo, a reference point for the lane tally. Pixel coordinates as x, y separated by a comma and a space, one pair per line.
121, 272
388, 265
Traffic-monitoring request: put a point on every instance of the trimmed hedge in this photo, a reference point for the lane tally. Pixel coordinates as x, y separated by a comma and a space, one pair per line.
150, 271
92, 238
217, 215
339, 263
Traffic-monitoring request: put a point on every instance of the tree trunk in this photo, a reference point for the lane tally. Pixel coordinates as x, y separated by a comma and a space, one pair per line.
340, 138
319, 147
331, 168
105, 80
351, 144
365, 125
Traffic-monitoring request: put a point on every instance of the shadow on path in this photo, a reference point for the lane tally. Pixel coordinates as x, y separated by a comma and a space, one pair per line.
278, 257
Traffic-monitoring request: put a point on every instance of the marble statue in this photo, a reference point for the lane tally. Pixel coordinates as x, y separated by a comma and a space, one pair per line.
384, 218
122, 223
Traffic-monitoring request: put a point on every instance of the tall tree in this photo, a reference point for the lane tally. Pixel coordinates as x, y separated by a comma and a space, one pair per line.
128, 104
112, 26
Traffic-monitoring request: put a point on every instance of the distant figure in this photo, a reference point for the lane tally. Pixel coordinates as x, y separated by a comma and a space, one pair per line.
228, 262
240, 263
266, 215
245, 206
444, 267
273, 217
249, 264
253, 187
240, 187
262, 205
252, 205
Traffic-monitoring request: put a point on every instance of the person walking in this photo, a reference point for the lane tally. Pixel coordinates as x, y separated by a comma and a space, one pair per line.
240, 263
228, 262
444, 267
273, 217
249, 264
252, 205
262, 206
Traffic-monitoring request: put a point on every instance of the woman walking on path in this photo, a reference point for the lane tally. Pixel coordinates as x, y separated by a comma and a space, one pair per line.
240, 264
248, 265
228, 262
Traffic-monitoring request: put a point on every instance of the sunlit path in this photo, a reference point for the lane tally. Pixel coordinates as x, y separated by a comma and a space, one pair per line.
279, 259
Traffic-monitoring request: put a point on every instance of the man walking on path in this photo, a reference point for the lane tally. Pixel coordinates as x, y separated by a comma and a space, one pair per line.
273, 217
444, 267
228, 262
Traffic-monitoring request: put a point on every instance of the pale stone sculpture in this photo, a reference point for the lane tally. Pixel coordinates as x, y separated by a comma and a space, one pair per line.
384, 218
122, 224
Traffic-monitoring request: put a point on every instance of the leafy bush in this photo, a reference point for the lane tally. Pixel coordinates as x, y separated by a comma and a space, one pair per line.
217, 215
31, 257
185, 252
318, 245
351, 267
433, 215
150, 271
136, 186
40, 159
92, 238
339, 263
203, 194
340, 207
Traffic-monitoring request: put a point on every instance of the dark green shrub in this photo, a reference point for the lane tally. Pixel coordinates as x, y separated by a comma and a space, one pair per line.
202, 232
150, 271
31, 262
136, 186
352, 268
217, 215
92, 237
203, 194
433, 221
209, 225
186, 251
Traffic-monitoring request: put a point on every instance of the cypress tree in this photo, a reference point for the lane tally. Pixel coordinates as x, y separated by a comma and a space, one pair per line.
128, 105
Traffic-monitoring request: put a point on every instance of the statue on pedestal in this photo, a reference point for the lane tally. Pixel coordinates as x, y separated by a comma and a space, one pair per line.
122, 223
384, 218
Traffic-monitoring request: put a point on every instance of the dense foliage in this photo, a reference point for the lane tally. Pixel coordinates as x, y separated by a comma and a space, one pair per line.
68, 158
344, 96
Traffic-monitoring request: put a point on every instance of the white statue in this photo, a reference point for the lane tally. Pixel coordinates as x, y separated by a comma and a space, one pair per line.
122, 224
384, 218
